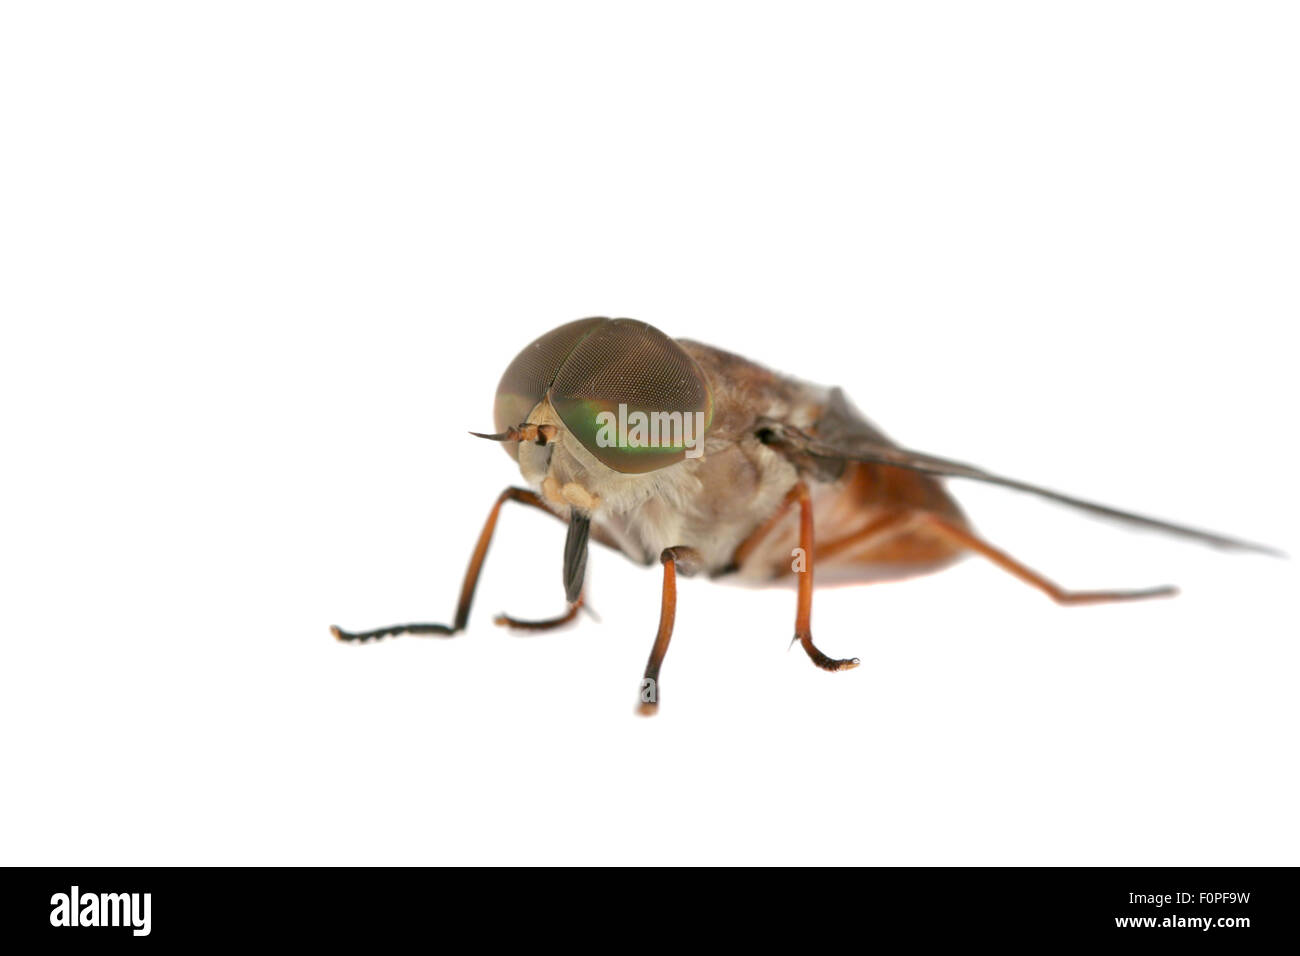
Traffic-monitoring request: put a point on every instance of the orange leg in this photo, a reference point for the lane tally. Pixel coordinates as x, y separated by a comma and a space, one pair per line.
670, 558
1060, 595
803, 616
470, 583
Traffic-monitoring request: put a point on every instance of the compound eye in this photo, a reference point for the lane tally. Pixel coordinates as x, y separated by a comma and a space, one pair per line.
528, 377
634, 398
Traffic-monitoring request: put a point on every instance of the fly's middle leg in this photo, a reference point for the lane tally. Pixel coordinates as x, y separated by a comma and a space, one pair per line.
804, 571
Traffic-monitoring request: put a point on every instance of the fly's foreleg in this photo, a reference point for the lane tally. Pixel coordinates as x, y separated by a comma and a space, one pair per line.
521, 495
575, 572
516, 624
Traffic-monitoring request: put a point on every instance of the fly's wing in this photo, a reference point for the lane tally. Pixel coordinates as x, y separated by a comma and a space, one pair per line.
842, 435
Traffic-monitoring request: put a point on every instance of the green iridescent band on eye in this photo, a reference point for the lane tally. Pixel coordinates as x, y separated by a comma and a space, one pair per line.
635, 440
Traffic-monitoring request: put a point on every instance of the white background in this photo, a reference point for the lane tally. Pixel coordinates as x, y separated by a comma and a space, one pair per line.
262, 267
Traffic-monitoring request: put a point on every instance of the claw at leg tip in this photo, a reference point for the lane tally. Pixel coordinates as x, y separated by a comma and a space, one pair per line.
334, 629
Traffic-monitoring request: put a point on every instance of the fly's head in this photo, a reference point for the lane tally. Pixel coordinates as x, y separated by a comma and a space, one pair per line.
598, 410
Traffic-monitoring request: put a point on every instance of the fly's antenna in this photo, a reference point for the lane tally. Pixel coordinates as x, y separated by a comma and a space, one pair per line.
538, 434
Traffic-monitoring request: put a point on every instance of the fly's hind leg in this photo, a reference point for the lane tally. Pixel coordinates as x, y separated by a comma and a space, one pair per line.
902, 522
468, 586
963, 537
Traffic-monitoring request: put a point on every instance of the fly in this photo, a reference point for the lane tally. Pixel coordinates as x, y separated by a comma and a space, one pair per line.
672, 451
